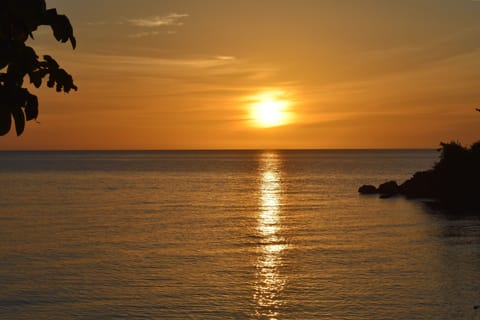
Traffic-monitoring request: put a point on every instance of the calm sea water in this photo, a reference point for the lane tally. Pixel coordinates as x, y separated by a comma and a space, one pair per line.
227, 235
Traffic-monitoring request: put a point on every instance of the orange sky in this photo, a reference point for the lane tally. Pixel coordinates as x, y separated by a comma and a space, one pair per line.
183, 74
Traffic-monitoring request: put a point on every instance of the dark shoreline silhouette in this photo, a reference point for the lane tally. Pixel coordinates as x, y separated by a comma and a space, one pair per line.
453, 184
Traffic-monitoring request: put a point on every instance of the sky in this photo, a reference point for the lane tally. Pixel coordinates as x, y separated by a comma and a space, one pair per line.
192, 74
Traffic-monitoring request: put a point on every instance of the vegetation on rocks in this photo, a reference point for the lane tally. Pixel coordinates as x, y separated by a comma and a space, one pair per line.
453, 182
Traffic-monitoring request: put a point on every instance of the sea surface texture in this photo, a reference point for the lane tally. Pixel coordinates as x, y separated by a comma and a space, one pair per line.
228, 235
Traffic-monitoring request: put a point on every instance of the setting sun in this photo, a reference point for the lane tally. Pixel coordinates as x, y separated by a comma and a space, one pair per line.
270, 109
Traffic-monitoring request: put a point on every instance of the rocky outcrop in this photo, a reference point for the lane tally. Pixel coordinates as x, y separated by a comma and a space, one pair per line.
388, 189
453, 183
368, 189
421, 185
385, 190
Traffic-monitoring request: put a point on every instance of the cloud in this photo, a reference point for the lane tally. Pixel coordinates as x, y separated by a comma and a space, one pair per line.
225, 58
144, 34
199, 67
173, 76
173, 19
96, 23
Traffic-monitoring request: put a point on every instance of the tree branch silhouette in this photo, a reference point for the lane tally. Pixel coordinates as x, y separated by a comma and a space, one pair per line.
18, 20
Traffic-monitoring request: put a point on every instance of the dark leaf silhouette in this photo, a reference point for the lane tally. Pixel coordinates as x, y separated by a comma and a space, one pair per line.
19, 118
31, 107
62, 29
18, 20
5, 120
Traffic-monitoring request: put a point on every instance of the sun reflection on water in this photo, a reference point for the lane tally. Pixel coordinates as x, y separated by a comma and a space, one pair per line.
269, 281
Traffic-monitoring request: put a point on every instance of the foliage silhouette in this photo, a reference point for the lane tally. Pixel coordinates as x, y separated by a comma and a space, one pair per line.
18, 20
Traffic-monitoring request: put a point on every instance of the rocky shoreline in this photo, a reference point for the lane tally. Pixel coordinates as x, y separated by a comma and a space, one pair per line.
453, 183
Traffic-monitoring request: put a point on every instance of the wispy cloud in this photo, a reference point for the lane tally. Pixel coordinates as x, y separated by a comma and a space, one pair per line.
178, 76
172, 19
96, 23
144, 34
225, 58
171, 67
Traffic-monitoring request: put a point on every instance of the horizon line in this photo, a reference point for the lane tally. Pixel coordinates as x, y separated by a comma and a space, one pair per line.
218, 149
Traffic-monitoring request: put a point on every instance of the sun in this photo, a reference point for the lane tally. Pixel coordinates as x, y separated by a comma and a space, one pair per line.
270, 109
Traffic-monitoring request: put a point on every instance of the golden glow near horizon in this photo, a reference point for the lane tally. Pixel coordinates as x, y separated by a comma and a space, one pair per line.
271, 109
280, 74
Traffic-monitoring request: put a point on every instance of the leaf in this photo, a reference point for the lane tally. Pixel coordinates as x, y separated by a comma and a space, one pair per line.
51, 81
30, 58
65, 81
51, 63
5, 120
19, 118
18, 98
36, 78
31, 107
61, 26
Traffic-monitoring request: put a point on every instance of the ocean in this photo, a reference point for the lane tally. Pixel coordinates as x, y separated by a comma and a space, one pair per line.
228, 235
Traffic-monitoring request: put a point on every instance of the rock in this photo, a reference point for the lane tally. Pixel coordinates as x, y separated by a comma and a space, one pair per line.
421, 185
368, 189
388, 189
